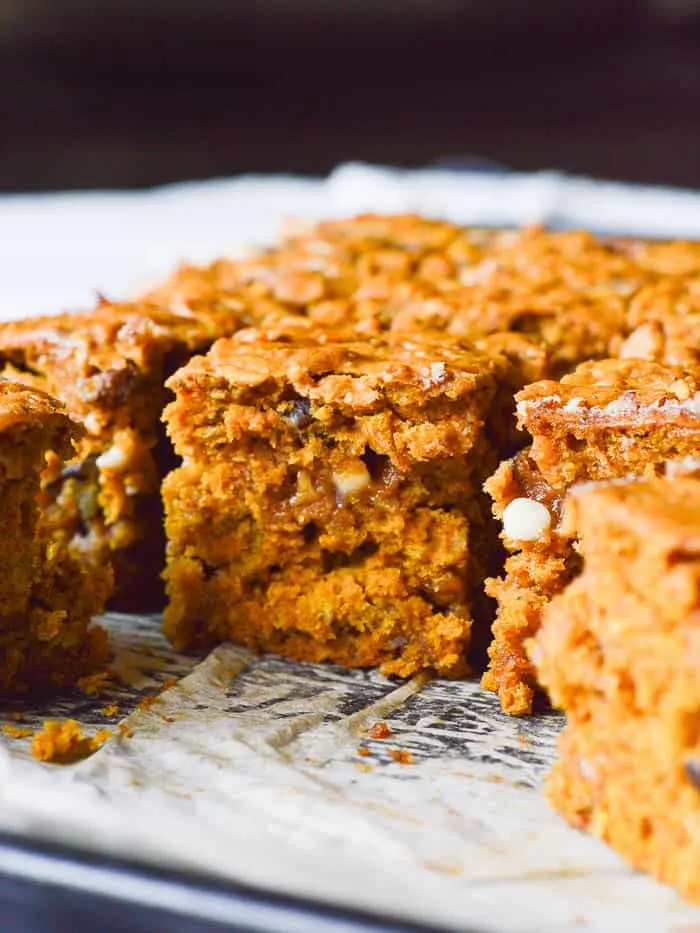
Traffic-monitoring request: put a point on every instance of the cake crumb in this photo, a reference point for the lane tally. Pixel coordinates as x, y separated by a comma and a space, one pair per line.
363, 752
167, 684
110, 710
363, 766
444, 868
93, 684
402, 756
124, 731
380, 730
147, 701
63, 742
16, 732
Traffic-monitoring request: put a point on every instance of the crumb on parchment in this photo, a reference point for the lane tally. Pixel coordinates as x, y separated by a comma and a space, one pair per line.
17, 732
62, 742
380, 730
93, 684
402, 756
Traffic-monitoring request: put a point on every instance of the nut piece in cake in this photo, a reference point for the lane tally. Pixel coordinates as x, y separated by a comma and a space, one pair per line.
328, 506
618, 652
664, 322
47, 599
109, 367
607, 419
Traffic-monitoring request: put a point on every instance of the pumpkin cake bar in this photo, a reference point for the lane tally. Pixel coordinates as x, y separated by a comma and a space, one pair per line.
329, 503
618, 652
607, 419
47, 599
109, 367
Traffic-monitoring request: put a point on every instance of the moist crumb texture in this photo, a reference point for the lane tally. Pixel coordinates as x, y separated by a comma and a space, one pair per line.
47, 599
329, 506
617, 651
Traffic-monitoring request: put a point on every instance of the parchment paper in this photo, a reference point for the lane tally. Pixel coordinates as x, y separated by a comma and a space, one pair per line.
262, 770
251, 769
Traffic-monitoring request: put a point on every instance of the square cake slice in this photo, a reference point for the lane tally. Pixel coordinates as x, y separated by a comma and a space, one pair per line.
328, 506
618, 651
607, 419
46, 599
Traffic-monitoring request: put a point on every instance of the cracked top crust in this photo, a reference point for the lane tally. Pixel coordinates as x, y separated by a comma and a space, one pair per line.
611, 389
108, 365
353, 376
406, 273
29, 409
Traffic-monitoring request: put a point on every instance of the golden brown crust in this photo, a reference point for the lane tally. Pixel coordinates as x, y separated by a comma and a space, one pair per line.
611, 417
664, 322
566, 291
35, 410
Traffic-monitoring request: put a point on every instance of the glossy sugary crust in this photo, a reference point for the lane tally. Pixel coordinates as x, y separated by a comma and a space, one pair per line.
568, 292
46, 599
109, 367
663, 321
618, 653
328, 504
611, 417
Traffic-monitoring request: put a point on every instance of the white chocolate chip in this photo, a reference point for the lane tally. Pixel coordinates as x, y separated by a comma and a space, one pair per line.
438, 374
525, 519
113, 459
353, 481
92, 423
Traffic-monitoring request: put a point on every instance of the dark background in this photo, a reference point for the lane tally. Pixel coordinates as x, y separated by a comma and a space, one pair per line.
135, 92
